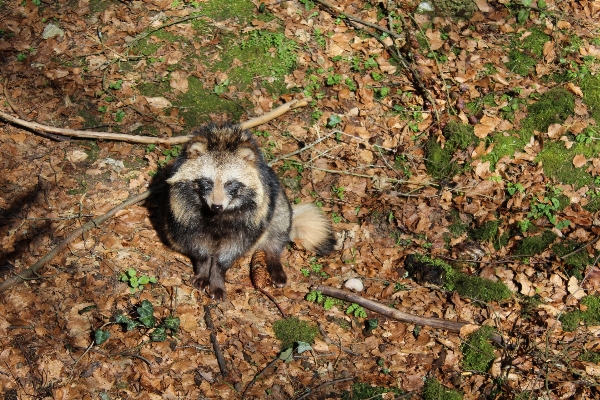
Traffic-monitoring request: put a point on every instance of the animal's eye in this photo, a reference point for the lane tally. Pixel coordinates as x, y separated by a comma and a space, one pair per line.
233, 187
204, 184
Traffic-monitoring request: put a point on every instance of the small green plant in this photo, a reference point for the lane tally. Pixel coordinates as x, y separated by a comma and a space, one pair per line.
315, 268
145, 319
370, 63
547, 207
136, 282
338, 191
170, 154
336, 218
116, 85
525, 11
221, 87
356, 310
525, 225
326, 301
21, 57
351, 84
513, 188
119, 115
333, 121
334, 79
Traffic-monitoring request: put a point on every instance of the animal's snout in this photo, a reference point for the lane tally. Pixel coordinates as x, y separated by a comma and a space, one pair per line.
216, 207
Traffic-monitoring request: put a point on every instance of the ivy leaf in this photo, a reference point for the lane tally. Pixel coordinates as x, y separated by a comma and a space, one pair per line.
101, 336
158, 335
333, 120
286, 355
522, 16
146, 313
144, 280
302, 347
172, 323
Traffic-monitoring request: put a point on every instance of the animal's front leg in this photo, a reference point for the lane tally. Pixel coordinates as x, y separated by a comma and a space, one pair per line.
217, 279
201, 278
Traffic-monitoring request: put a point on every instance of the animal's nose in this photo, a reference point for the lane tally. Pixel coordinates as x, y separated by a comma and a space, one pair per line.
216, 207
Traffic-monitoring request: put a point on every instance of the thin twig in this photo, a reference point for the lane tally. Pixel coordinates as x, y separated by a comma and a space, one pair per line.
333, 382
591, 242
273, 300
215, 343
329, 341
28, 273
257, 375
307, 147
359, 20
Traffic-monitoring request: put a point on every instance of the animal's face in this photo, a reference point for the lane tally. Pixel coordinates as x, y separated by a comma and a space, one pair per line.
223, 180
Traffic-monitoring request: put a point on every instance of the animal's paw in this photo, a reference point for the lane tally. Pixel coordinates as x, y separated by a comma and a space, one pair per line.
218, 294
200, 282
279, 278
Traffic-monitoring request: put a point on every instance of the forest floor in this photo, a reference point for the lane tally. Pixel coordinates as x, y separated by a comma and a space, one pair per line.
458, 158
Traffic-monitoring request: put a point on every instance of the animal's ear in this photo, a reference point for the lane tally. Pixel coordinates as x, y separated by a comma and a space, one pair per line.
197, 148
246, 153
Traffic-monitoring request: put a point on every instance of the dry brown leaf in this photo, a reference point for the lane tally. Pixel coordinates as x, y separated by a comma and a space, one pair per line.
576, 90
483, 6
579, 160
574, 289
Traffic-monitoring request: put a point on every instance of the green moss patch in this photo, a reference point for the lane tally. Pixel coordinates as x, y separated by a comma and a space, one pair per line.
293, 330
505, 144
524, 54
434, 390
458, 137
533, 245
478, 351
578, 261
553, 107
590, 85
474, 287
591, 316
456, 8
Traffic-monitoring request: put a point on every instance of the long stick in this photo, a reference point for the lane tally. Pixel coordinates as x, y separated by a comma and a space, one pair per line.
452, 326
143, 139
215, 342
28, 273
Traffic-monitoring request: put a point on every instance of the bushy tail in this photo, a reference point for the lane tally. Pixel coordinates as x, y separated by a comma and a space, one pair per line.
311, 229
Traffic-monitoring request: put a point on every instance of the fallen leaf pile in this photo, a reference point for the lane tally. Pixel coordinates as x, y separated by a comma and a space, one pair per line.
360, 150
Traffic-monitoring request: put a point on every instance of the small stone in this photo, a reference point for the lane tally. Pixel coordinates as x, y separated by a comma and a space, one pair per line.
52, 30
354, 284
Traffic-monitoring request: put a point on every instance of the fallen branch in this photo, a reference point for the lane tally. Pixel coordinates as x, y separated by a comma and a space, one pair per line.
31, 271
215, 342
34, 126
452, 326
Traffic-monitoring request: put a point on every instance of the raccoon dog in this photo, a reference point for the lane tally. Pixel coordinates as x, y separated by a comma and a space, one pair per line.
224, 200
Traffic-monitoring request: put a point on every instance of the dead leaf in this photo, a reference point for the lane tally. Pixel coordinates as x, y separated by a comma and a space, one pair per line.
579, 161
179, 81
